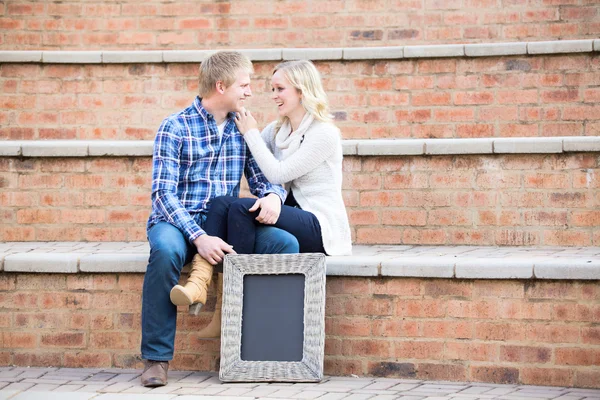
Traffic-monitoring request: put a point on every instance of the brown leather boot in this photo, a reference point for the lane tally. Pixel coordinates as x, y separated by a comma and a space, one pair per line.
196, 287
213, 329
155, 373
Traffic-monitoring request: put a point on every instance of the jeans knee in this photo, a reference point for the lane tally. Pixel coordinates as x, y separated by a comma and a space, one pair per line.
220, 205
289, 244
166, 255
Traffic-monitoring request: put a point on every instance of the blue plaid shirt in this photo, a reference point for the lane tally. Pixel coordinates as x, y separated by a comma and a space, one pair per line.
193, 163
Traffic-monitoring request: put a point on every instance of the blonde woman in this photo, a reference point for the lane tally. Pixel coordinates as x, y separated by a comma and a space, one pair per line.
302, 150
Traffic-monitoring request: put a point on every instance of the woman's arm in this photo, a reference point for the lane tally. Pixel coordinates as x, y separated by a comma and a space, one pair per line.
318, 145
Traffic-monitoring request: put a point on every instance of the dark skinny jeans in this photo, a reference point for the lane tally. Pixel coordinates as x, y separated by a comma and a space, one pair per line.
241, 224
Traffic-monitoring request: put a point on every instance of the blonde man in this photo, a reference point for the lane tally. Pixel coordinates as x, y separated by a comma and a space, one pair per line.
199, 154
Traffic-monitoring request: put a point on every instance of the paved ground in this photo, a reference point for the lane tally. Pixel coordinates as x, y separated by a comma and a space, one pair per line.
19, 383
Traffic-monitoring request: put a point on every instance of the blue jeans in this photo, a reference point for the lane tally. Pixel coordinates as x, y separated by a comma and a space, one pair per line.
169, 252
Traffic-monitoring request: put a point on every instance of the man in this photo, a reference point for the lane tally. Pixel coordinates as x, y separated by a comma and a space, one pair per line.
199, 154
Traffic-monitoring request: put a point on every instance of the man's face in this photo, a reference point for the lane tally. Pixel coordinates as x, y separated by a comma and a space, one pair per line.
237, 93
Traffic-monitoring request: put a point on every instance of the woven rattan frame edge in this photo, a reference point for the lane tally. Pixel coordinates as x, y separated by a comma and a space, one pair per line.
310, 369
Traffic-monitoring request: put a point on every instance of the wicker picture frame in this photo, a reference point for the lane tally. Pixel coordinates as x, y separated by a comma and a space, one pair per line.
310, 369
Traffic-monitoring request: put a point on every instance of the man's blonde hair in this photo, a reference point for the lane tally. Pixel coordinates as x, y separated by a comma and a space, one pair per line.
304, 76
222, 66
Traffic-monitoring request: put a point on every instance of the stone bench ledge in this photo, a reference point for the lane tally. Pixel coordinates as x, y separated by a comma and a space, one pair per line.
325, 53
458, 262
362, 147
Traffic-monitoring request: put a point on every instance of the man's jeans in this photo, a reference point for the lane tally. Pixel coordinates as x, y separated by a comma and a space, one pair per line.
169, 252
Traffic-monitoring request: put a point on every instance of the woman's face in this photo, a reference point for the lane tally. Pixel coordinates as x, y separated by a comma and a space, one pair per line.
287, 97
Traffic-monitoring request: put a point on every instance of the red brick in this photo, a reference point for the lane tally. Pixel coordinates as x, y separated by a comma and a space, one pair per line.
526, 354
342, 367
351, 327
577, 356
471, 351
404, 217
86, 359
547, 376
493, 374
37, 359
421, 308
442, 372
422, 350
361, 347
552, 333
368, 306
395, 328
64, 339
379, 235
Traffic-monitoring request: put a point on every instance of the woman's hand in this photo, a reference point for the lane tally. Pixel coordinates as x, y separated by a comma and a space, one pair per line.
245, 121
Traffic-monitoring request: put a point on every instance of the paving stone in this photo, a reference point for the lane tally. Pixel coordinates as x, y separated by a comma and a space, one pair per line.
475, 390
117, 387
18, 386
43, 387
127, 378
32, 395
262, 391
210, 390
284, 393
131, 396
404, 386
7, 394
68, 388
91, 388
333, 396
359, 397
101, 377
384, 397
137, 389
380, 385
309, 394
501, 391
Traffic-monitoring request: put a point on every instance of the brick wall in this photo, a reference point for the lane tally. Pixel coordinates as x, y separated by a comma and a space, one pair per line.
153, 24
532, 332
543, 199
432, 98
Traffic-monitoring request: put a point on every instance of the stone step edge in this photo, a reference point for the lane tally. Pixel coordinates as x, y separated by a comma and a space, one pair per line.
365, 147
280, 54
574, 267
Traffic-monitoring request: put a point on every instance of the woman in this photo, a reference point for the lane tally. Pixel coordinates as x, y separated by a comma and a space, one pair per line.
301, 150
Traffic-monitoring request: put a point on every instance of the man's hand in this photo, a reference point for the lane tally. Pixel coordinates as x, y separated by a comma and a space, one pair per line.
270, 208
212, 248
245, 121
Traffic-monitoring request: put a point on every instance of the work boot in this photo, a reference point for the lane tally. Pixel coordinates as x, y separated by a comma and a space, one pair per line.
213, 329
196, 287
155, 373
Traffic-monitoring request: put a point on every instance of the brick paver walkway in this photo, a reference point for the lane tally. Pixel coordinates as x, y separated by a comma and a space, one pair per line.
18, 383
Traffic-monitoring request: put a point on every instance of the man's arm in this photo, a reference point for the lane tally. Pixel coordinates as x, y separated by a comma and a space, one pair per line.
165, 179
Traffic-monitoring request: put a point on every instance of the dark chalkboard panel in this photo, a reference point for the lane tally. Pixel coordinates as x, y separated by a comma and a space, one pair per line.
273, 317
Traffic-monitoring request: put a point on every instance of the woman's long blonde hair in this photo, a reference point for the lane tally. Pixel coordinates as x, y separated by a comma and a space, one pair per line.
303, 75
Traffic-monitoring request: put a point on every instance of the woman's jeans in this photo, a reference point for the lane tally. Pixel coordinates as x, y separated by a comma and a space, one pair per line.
242, 228
169, 252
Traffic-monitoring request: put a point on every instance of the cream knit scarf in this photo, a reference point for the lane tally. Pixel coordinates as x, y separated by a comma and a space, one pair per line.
287, 142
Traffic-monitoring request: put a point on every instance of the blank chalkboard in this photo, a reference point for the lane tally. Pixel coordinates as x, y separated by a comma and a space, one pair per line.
273, 317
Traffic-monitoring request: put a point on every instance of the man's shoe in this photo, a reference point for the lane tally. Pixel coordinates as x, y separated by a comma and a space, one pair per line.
155, 373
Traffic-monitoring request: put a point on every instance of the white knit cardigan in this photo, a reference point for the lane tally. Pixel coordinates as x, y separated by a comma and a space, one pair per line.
314, 173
